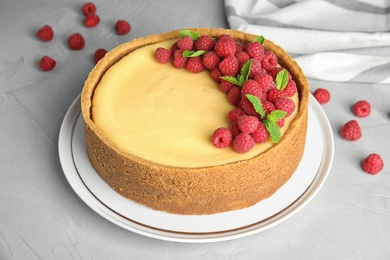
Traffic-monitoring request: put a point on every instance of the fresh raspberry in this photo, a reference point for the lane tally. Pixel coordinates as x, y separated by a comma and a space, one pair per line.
248, 124
285, 104
322, 95
261, 134
225, 36
210, 60
45, 33
243, 143
122, 27
291, 88
178, 60
89, 8
274, 72
91, 20
174, 47
273, 94
195, 65
163, 55
234, 129
372, 164
351, 131
248, 107
225, 47
222, 137
234, 114
234, 96
225, 86
239, 47
255, 68
229, 66
76, 41
280, 122
251, 87
265, 81
185, 43
204, 42
255, 50
242, 57
270, 61
216, 75
47, 63
268, 106
99, 54
361, 108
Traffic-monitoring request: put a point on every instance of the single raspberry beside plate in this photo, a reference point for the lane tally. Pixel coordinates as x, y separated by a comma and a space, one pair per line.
361, 108
163, 55
351, 131
89, 8
91, 20
373, 164
222, 137
322, 95
99, 54
76, 41
243, 143
122, 27
45, 33
47, 63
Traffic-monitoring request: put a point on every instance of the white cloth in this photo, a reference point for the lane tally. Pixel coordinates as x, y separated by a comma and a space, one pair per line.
334, 40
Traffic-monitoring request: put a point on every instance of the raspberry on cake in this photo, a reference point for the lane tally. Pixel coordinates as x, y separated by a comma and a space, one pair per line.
175, 143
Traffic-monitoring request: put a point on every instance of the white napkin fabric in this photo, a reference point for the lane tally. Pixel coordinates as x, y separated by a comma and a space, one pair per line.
333, 40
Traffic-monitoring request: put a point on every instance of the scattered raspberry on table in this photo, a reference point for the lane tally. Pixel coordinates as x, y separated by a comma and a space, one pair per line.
76, 41
99, 53
322, 95
46, 33
47, 63
89, 8
372, 164
351, 131
361, 108
122, 27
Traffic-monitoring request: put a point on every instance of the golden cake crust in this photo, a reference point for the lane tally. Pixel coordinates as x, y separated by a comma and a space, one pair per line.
204, 190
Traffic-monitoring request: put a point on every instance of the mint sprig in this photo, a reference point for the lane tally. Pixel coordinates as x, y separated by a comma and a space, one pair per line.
189, 54
241, 77
270, 120
281, 79
192, 34
260, 39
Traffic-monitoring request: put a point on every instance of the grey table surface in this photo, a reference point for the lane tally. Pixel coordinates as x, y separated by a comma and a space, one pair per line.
41, 217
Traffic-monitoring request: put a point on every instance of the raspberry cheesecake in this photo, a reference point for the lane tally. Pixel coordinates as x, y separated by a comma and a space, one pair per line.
197, 121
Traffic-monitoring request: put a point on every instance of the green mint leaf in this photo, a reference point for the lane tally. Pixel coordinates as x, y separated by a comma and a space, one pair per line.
241, 79
260, 39
256, 104
193, 35
273, 130
193, 53
275, 115
246, 69
231, 80
281, 79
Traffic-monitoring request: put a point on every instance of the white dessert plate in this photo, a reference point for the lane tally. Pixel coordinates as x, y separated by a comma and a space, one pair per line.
288, 200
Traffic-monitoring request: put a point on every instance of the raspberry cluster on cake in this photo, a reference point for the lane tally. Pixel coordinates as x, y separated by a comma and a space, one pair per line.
149, 125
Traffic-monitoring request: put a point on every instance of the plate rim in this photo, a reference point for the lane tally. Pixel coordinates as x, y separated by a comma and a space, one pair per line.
88, 197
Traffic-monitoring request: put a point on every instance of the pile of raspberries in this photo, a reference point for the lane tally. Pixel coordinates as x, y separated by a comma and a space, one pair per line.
225, 58
76, 41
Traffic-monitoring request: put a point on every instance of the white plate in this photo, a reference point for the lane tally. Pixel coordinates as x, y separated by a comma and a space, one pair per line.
289, 199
